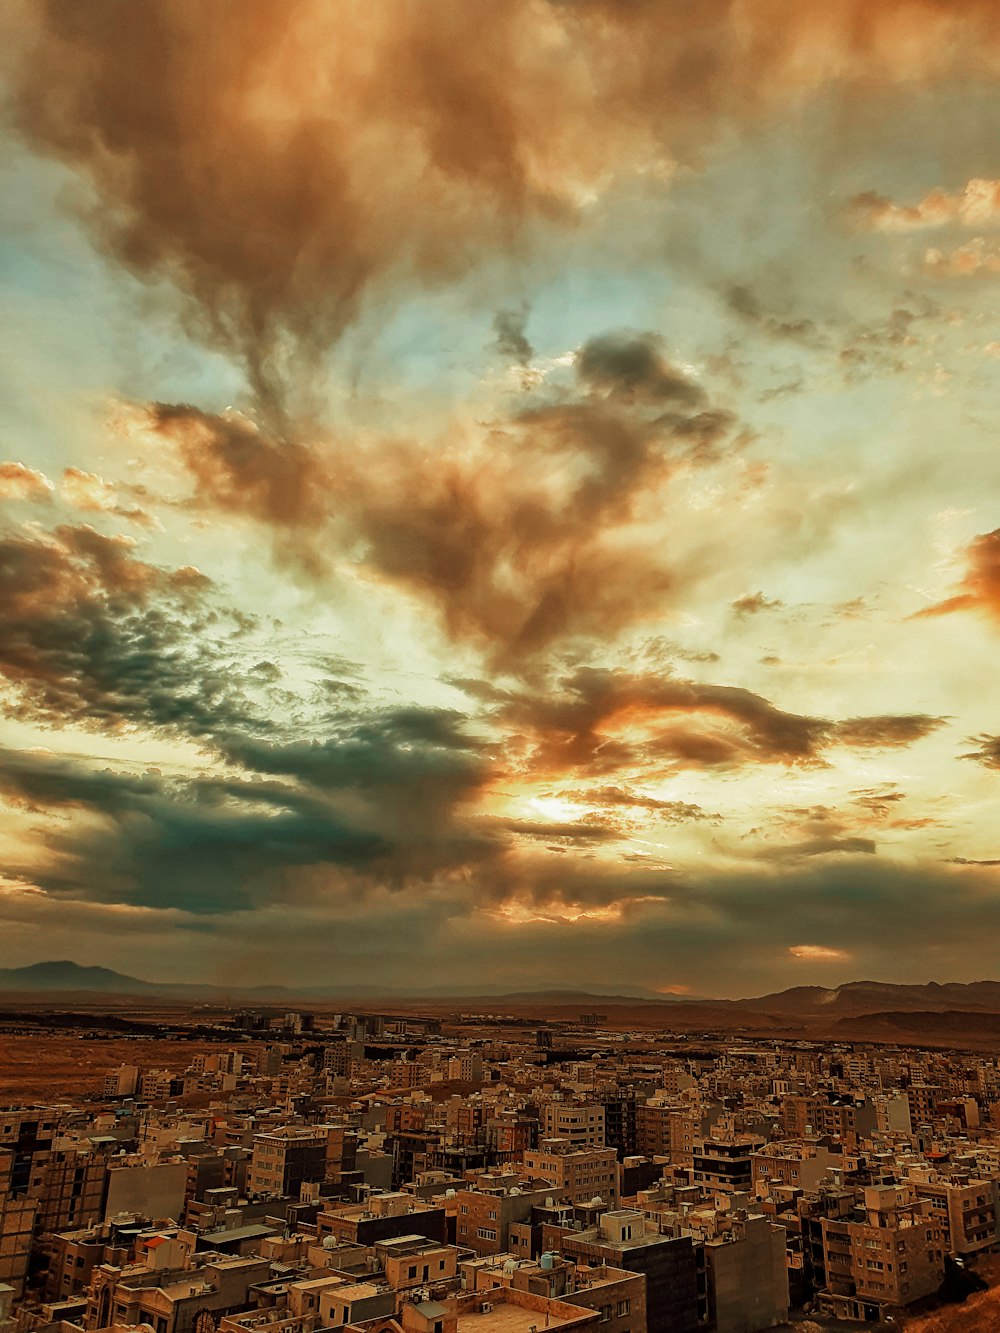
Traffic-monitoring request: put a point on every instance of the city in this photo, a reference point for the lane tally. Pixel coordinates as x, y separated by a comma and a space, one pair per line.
492, 1171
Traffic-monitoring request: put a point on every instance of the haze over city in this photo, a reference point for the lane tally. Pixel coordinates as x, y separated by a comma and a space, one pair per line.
501, 496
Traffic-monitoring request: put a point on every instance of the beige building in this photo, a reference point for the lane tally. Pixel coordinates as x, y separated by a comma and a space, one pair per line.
577, 1175
170, 1300
483, 1217
663, 1130
284, 1159
581, 1125
894, 1256
965, 1211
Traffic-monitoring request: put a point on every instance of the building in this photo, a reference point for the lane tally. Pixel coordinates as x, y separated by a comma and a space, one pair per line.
892, 1253
580, 1124
576, 1174
725, 1164
622, 1241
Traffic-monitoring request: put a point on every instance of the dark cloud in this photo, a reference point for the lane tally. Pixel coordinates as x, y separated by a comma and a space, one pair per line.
820, 847
633, 365
887, 731
744, 302
511, 340
379, 801
679, 812
987, 751
519, 538
95, 636
411, 765
264, 165
245, 471
601, 721
879, 802
581, 831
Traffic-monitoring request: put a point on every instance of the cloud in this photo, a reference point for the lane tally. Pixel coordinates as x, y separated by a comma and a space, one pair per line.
632, 365
97, 637
90, 493
976, 204
888, 731
611, 796
512, 342
744, 302
521, 533
987, 751
820, 847
602, 721
145, 845
818, 953
264, 165
755, 602
19, 482
974, 258
239, 468
980, 588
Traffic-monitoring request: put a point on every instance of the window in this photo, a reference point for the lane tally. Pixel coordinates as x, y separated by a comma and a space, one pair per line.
486, 1233
623, 1308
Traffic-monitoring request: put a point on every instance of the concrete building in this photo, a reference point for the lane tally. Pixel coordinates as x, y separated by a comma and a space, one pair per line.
483, 1216
891, 1254
622, 1241
576, 1175
746, 1276
725, 1164
966, 1212
580, 1124
287, 1158
170, 1299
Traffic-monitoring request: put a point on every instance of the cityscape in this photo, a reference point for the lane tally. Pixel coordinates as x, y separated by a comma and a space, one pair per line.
499, 615
496, 1166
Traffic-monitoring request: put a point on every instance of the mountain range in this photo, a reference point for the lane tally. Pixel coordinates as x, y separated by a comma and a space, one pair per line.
811, 1004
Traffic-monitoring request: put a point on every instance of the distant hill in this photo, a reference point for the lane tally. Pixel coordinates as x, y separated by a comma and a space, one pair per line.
871, 997
67, 976
862, 1005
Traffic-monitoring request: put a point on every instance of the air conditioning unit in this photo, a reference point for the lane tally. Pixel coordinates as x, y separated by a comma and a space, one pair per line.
486, 1307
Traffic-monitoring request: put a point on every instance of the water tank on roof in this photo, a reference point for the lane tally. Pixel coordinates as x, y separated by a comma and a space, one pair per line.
329, 1242
449, 1194
548, 1260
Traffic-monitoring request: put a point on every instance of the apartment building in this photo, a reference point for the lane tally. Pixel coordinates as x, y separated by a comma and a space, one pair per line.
725, 1164
622, 1241
483, 1216
892, 1253
576, 1174
284, 1159
582, 1125
965, 1211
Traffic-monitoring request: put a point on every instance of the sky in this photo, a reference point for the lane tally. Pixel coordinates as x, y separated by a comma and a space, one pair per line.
501, 495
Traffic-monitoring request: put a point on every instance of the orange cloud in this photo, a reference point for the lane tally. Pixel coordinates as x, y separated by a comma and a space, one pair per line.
980, 588
817, 953
974, 206
279, 163
19, 482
